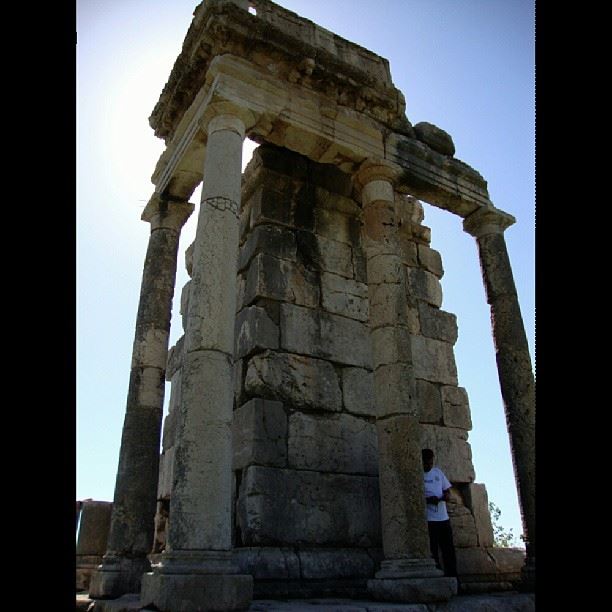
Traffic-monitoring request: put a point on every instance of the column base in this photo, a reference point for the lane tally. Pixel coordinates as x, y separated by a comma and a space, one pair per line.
527, 583
117, 576
201, 592
411, 581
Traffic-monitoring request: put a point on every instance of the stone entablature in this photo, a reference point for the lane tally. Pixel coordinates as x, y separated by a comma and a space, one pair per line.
302, 114
286, 46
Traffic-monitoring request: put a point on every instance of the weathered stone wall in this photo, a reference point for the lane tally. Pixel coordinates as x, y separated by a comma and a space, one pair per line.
307, 503
305, 453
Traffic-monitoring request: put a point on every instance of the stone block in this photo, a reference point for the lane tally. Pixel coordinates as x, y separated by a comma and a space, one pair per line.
189, 259
434, 360
462, 523
332, 443
298, 380
287, 507
384, 268
430, 260
479, 504
277, 279
271, 239
276, 203
175, 391
331, 179
281, 161
435, 137
240, 397
408, 249
395, 390
344, 296
453, 454
254, 331
259, 434
408, 210
360, 273
169, 429
336, 218
320, 253
175, 358
268, 563
240, 291
184, 309
326, 564
93, 528
85, 566
391, 345
166, 469
437, 324
423, 285
509, 561
476, 562
429, 402
189, 592
388, 304
455, 407
424, 590
326, 336
358, 391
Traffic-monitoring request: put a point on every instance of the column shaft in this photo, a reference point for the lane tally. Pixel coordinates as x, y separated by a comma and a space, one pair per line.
200, 510
408, 572
514, 370
132, 521
404, 529
196, 570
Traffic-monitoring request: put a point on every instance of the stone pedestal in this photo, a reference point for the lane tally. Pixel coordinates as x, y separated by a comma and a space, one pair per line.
411, 580
92, 538
513, 363
196, 571
132, 521
408, 573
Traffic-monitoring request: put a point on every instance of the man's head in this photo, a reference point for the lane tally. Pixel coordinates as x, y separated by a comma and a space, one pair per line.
428, 459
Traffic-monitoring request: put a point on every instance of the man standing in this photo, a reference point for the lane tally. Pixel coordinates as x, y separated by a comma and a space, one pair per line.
437, 493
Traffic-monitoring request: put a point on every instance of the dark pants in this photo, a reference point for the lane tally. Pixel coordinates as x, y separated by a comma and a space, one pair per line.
441, 535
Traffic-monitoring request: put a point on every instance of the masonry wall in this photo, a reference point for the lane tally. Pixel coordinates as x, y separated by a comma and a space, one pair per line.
307, 515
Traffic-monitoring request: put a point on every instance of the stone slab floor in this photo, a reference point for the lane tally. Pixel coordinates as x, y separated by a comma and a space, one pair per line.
490, 602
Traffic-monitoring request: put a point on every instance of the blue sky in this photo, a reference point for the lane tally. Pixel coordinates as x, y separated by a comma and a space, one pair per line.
465, 65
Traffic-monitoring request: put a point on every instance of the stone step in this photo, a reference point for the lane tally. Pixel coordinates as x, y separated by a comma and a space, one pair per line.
489, 602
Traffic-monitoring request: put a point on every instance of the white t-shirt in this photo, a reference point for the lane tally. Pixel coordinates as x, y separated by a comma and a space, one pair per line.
435, 484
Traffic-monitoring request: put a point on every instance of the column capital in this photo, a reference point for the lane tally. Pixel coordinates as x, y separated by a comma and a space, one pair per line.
226, 115
487, 220
374, 181
373, 169
166, 213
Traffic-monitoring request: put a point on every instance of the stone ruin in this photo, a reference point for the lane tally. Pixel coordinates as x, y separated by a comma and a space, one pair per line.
316, 360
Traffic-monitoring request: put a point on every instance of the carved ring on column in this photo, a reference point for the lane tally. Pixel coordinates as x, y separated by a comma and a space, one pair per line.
222, 204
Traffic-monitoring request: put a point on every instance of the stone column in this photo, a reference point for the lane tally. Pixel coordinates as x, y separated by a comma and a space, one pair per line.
514, 369
132, 521
196, 571
408, 572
